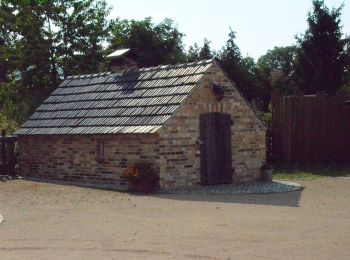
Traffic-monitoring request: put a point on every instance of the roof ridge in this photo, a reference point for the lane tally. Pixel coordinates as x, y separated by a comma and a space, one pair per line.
145, 69
92, 75
179, 65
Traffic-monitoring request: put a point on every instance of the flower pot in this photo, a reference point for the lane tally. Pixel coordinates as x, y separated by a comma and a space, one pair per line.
144, 186
266, 175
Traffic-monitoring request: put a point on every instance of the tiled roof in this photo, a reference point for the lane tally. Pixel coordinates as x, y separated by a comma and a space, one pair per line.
137, 101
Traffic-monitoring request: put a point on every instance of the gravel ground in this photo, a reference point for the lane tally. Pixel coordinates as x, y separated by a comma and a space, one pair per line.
50, 221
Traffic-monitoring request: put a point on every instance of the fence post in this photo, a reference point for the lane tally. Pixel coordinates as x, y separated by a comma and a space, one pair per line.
275, 135
11, 156
3, 153
299, 122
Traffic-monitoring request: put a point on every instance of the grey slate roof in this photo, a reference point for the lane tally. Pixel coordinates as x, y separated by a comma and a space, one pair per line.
138, 101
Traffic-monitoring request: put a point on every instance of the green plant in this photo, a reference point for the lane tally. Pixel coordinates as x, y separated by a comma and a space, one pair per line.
294, 172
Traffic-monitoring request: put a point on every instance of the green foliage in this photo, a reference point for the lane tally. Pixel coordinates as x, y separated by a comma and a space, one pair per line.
151, 44
346, 80
231, 60
279, 58
7, 37
84, 29
244, 72
193, 53
205, 52
321, 56
196, 53
11, 113
275, 70
265, 116
283, 172
42, 42
51, 39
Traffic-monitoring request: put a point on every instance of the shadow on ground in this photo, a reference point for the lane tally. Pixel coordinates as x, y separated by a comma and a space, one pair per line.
4, 178
285, 199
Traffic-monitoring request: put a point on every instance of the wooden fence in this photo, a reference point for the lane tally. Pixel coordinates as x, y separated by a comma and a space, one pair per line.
311, 129
8, 158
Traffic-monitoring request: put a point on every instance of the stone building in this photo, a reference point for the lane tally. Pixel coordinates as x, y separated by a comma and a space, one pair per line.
93, 126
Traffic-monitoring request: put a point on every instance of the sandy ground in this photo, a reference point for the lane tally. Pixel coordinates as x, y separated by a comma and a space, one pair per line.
50, 221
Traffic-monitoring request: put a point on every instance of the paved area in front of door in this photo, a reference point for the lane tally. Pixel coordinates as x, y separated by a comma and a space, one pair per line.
275, 186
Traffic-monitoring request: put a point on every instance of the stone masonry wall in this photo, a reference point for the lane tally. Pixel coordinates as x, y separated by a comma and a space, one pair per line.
75, 158
178, 150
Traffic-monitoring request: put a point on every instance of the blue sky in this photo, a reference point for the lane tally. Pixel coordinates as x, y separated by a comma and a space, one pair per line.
260, 24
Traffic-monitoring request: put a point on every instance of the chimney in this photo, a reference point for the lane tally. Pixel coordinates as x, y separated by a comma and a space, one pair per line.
276, 76
120, 61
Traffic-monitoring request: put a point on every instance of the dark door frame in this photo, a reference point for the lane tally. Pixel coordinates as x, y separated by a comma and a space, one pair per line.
216, 150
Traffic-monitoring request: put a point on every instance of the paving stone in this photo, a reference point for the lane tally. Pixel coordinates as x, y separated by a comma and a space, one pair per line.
244, 188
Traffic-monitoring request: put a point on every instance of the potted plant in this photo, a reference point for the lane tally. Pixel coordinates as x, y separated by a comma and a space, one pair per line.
141, 177
266, 172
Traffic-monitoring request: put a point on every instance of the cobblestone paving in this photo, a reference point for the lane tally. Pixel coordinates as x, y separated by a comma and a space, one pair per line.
246, 188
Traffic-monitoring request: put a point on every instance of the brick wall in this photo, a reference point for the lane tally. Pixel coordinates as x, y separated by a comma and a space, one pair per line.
179, 151
76, 158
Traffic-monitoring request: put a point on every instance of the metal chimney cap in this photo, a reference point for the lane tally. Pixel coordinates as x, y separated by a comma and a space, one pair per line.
117, 53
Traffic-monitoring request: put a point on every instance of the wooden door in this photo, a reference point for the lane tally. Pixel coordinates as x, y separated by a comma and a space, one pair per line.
216, 156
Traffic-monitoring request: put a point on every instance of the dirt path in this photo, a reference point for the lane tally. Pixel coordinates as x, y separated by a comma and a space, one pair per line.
48, 221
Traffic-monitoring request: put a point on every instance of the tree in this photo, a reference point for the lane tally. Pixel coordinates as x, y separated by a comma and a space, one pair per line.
7, 41
321, 57
14, 108
151, 44
196, 53
205, 53
54, 38
280, 61
83, 30
30, 47
231, 61
346, 80
41, 43
193, 53
279, 58
230, 51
